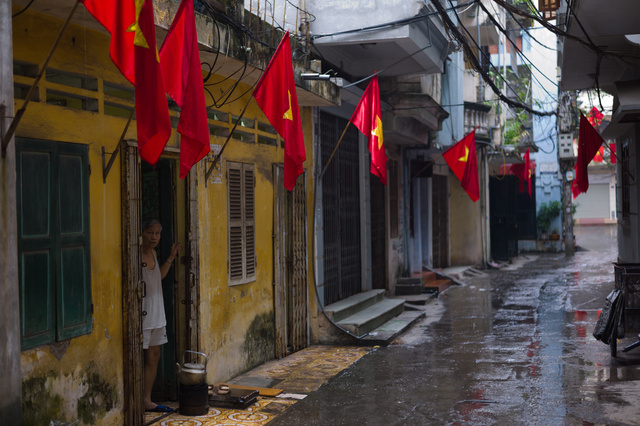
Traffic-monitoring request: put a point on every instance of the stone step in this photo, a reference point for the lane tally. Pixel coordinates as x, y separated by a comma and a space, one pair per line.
387, 332
408, 285
426, 275
372, 317
437, 286
351, 305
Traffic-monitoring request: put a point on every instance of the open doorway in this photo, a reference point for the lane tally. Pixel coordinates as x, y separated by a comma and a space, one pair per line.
157, 192
158, 201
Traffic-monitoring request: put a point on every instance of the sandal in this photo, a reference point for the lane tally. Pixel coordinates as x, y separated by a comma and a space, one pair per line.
160, 409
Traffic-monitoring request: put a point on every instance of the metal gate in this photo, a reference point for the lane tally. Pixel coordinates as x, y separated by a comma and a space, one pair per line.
440, 222
340, 210
504, 221
290, 247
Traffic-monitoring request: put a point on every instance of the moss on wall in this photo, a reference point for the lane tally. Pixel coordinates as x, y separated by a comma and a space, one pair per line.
259, 342
100, 398
43, 400
39, 403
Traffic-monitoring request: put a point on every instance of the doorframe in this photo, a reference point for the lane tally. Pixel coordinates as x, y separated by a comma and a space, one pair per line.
133, 368
131, 198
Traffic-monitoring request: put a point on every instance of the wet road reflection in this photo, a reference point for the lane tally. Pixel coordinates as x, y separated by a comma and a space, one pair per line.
511, 347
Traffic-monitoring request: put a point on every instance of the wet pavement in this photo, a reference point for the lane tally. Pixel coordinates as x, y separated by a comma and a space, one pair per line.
512, 346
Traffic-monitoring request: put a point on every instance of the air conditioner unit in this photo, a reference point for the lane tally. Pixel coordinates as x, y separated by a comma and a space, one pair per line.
565, 146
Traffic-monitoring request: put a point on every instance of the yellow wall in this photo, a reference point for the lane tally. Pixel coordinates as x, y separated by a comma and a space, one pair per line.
81, 377
233, 319
237, 322
465, 225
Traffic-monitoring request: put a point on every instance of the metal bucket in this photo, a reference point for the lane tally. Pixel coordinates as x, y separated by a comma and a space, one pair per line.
194, 400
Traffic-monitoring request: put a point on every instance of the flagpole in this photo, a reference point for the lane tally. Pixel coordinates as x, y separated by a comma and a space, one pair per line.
334, 150
16, 120
107, 167
217, 157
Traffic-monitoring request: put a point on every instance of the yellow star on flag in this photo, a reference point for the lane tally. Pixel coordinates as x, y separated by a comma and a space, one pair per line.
139, 39
466, 155
377, 132
288, 114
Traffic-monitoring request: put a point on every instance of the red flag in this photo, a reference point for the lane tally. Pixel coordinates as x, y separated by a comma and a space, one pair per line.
612, 148
527, 170
182, 74
463, 162
523, 172
368, 119
117, 16
595, 117
575, 191
276, 95
599, 157
133, 50
589, 142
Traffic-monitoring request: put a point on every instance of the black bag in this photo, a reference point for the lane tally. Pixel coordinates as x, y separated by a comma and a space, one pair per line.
610, 318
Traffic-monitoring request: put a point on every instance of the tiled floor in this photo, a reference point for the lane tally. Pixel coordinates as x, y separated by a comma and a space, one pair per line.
299, 373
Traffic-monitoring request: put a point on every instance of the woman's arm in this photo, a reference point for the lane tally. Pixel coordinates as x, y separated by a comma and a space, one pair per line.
166, 265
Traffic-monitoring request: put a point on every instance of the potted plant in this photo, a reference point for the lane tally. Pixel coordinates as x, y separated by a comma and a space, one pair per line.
546, 214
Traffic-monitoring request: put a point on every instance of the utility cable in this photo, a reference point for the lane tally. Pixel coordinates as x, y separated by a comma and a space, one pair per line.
471, 56
522, 55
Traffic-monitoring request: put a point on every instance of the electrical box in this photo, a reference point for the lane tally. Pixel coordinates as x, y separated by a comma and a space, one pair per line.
565, 146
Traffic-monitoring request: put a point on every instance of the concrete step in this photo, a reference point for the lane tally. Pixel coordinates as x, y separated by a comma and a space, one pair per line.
413, 301
391, 329
437, 286
372, 316
408, 285
351, 305
426, 275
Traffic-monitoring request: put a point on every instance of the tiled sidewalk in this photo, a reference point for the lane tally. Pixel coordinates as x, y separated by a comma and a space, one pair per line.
299, 373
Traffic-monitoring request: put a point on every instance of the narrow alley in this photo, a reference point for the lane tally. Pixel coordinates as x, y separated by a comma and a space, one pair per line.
512, 347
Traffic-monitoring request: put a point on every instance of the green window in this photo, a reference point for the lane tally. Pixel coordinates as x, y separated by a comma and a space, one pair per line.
53, 241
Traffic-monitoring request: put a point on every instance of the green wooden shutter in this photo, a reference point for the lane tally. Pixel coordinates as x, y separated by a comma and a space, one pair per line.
53, 243
36, 243
74, 279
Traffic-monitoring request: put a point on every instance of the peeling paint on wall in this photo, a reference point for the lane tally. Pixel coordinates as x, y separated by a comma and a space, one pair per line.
87, 397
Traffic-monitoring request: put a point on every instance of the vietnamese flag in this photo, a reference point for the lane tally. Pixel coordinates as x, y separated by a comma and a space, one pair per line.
599, 157
276, 95
523, 172
463, 162
589, 142
595, 117
612, 149
368, 119
133, 50
182, 74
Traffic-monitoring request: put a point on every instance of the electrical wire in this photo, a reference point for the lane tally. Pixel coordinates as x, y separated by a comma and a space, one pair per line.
23, 10
391, 24
471, 58
515, 46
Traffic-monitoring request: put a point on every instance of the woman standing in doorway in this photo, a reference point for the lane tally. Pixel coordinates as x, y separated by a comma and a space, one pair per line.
154, 333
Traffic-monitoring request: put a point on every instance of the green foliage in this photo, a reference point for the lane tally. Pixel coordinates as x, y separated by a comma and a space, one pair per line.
515, 129
547, 213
